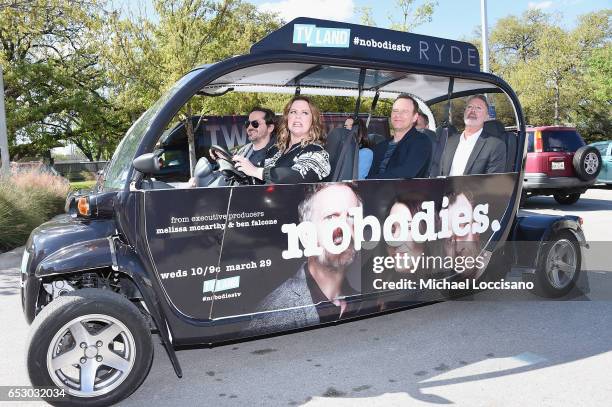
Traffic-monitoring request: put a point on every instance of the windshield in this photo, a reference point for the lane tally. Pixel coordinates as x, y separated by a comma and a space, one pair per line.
119, 167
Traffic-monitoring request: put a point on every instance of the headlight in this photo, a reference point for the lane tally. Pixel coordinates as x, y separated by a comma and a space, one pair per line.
99, 205
83, 208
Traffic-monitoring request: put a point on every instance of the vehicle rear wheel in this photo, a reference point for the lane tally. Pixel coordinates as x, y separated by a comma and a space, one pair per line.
566, 199
558, 266
587, 163
95, 344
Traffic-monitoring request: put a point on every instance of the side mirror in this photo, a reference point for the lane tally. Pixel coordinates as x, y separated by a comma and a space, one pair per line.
149, 163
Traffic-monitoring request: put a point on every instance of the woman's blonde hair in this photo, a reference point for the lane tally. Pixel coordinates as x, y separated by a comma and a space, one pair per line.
315, 134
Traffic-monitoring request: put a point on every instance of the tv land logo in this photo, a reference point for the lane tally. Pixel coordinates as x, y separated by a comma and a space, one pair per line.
314, 36
326, 37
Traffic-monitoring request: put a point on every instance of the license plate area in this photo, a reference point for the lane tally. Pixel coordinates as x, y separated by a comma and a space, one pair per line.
557, 165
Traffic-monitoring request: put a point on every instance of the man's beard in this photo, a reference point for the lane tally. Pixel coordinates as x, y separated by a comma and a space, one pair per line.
253, 136
337, 262
470, 120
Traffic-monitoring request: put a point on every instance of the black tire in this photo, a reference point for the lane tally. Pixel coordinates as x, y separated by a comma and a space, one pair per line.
58, 326
566, 199
587, 163
545, 284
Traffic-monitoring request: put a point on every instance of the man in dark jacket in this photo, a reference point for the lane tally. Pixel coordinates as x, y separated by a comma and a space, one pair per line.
408, 153
474, 151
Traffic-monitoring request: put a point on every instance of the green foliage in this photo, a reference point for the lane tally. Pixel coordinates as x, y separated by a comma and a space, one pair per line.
561, 76
75, 186
365, 16
54, 86
145, 57
75, 72
411, 16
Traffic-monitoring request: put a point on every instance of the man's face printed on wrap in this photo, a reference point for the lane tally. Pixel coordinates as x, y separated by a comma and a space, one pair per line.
408, 247
331, 205
469, 244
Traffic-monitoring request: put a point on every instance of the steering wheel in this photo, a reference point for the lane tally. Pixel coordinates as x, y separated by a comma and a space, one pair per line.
226, 165
220, 153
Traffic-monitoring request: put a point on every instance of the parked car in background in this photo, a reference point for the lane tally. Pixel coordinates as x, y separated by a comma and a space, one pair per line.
605, 149
559, 163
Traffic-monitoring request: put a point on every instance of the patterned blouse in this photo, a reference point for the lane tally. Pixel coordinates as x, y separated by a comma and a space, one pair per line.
297, 165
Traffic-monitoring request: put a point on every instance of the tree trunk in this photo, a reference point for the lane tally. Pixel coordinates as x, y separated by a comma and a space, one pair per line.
557, 98
190, 139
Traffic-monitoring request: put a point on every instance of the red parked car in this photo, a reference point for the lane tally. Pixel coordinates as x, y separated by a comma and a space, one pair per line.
559, 163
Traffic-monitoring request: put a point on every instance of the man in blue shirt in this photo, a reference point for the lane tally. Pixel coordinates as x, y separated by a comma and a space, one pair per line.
408, 153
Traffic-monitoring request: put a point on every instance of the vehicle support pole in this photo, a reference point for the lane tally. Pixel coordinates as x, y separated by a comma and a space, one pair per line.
449, 112
362, 73
485, 35
5, 163
374, 101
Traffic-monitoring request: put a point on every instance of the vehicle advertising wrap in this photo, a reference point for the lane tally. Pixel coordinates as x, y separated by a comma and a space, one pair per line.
288, 256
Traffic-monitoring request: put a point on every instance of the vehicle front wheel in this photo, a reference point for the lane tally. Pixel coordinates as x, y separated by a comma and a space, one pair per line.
95, 344
566, 199
558, 266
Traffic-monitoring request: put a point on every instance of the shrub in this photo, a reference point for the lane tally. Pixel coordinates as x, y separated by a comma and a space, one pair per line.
75, 186
27, 199
80, 176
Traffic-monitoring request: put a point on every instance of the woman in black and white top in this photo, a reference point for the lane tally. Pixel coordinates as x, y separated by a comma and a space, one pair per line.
298, 155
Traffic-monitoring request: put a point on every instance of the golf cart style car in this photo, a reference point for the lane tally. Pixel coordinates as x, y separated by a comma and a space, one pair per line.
229, 259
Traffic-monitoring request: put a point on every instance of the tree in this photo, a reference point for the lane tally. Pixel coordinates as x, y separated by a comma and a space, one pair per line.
145, 57
365, 16
412, 17
593, 116
515, 39
54, 88
558, 74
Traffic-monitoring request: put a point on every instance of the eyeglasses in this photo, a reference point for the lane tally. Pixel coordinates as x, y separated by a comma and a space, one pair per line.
254, 123
474, 107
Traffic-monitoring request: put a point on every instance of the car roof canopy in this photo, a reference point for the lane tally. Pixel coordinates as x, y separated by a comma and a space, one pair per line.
342, 60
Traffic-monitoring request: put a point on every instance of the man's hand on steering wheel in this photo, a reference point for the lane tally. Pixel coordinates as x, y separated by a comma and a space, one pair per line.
219, 153
226, 164
244, 165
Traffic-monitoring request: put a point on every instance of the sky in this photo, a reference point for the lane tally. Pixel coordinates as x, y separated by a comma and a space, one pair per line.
452, 19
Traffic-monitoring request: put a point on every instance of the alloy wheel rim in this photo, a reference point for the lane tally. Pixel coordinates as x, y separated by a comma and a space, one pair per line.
91, 355
561, 263
591, 162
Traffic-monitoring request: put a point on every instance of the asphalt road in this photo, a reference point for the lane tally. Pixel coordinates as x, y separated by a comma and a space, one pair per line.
478, 352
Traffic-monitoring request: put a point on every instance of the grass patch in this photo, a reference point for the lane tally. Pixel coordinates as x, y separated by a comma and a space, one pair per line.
75, 186
27, 199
